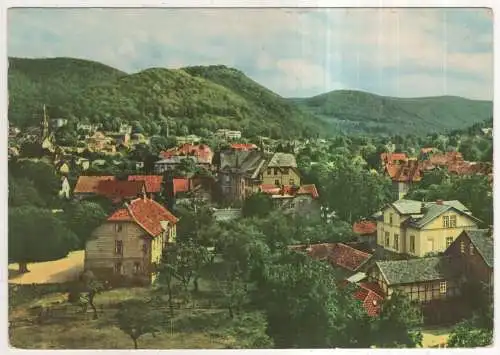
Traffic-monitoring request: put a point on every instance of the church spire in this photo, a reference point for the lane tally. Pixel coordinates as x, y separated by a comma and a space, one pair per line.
44, 124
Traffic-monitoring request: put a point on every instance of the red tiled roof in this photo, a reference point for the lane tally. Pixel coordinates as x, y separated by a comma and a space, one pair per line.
90, 184
364, 227
180, 185
348, 257
153, 182
148, 214
117, 189
202, 151
372, 286
308, 190
410, 171
243, 146
369, 299
388, 158
290, 190
446, 158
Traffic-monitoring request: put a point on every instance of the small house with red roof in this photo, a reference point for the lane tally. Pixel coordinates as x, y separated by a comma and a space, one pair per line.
404, 175
366, 231
243, 146
128, 246
200, 153
88, 186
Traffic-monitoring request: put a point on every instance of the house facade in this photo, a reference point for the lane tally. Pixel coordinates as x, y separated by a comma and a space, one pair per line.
418, 228
473, 249
129, 245
239, 174
403, 176
281, 170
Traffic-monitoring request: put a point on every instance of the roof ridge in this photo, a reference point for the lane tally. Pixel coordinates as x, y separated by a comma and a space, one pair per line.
360, 251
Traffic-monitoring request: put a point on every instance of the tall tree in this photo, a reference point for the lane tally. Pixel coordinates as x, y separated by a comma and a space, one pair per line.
137, 318
36, 235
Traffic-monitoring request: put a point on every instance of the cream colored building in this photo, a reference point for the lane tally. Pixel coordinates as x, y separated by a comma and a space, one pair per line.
128, 246
418, 228
281, 170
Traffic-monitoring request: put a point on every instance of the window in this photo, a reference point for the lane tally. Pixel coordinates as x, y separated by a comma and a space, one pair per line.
275, 171
269, 171
119, 247
462, 247
446, 222
449, 240
442, 287
453, 221
471, 249
396, 241
390, 219
145, 248
412, 243
387, 239
118, 268
118, 228
285, 171
137, 267
277, 182
292, 182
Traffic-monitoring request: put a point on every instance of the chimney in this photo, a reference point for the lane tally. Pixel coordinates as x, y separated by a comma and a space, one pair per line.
151, 196
439, 202
423, 209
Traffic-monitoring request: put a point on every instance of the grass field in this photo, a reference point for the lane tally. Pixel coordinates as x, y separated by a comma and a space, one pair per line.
435, 336
200, 324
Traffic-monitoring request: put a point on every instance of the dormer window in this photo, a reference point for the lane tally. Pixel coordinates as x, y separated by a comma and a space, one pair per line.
453, 221
446, 222
390, 219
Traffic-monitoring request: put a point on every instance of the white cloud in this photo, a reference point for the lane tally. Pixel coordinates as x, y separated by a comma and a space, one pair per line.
295, 52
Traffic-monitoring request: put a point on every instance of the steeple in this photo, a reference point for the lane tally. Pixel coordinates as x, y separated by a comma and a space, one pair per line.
44, 127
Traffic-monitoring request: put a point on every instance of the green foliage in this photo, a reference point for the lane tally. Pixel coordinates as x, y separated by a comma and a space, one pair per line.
54, 81
83, 217
136, 318
22, 192
303, 307
398, 322
257, 205
467, 335
35, 235
354, 111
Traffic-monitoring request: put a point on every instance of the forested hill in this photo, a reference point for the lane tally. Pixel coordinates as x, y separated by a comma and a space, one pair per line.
195, 98
50, 81
355, 111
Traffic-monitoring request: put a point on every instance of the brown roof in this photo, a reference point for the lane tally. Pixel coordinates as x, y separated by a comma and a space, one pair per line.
117, 189
347, 257
147, 213
153, 182
90, 184
364, 227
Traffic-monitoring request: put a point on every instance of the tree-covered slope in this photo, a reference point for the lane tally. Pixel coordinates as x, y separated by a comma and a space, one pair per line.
50, 81
194, 99
361, 111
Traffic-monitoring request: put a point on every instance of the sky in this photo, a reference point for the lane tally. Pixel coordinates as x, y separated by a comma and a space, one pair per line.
294, 52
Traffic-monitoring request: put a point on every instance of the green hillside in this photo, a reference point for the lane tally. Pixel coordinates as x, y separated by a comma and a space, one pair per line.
355, 111
51, 81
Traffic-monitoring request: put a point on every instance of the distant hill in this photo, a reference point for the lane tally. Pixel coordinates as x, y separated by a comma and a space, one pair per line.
194, 98
356, 111
51, 81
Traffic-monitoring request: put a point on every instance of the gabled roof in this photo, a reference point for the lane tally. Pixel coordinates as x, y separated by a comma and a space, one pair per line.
90, 184
241, 161
153, 182
202, 152
396, 272
282, 160
409, 171
148, 214
483, 241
